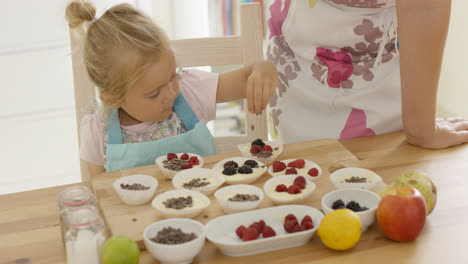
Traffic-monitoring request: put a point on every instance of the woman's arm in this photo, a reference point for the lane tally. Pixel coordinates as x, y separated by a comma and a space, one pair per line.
422, 32
255, 82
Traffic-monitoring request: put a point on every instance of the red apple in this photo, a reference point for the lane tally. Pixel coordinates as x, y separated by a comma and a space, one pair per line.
402, 213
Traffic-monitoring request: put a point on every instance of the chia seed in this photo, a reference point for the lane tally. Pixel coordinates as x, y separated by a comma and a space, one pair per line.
244, 198
174, 164
356, 179
196, 183
134, 187
264, 154
172, 236
179, 203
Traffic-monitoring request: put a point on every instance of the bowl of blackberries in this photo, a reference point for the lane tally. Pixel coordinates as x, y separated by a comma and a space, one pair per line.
363, 202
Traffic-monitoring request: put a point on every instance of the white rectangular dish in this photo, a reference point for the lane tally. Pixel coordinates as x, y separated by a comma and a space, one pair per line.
221, 230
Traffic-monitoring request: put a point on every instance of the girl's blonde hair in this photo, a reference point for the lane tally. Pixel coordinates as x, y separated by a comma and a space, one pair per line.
118, 47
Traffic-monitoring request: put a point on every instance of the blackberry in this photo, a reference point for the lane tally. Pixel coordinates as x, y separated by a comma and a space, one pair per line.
229, 171
338, 204
258, 142
251, 163
356, 207
231, 163
245, 170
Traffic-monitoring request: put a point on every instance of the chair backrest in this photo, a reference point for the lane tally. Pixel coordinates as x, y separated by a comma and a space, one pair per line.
245, 48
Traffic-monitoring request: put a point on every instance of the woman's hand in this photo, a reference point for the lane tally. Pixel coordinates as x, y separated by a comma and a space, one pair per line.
261, 84
449, 132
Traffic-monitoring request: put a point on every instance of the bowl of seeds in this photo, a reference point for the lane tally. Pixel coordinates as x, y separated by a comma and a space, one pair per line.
174, 241
354, 178
198, 179
180, 203
239, 198
136, 189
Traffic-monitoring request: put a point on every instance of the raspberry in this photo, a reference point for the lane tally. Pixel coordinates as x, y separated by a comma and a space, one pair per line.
268, 232
245, 170
267, 148
171, 156
307, 225
251, 163
299, 179
293, 189
262, 224
239, 231
194, 160
249, 233
278, 166
338, 204
229, 171
313, 172
299, 163
300, 185
186, 166
281, 188
306, 219
291, 171
290, 217
292, 226
256, 226
231, 163
184, 156
255, 149
258, 142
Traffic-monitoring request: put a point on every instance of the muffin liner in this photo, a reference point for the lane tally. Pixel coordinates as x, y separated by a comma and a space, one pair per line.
308, 163
171, 173
183, 213
185, 175
245, 151
136, 197
287, 180
234, 207
337, 176
245, 178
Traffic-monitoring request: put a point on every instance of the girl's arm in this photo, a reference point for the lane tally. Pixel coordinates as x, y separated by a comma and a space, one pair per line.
255, 82
422, 31
94, 169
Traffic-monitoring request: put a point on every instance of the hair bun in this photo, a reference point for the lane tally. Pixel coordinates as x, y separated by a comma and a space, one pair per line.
79, 12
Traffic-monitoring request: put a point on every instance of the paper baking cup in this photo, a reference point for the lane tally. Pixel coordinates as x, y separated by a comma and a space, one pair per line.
239, 179
136, 197
234, 207
171, 173
245, 150
186, 175
183, 213
308, 163
339, 175
270, 186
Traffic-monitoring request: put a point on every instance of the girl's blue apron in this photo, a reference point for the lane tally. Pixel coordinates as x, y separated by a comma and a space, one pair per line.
197, 139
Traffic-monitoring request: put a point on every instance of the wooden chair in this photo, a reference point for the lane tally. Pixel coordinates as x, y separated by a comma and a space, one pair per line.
244, 49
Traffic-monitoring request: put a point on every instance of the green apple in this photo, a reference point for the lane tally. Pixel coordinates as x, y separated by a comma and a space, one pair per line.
120, 250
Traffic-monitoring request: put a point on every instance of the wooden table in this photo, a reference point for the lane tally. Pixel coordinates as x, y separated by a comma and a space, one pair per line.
30, 232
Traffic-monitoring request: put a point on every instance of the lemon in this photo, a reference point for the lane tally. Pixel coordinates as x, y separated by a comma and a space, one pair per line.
340, 229
120, 250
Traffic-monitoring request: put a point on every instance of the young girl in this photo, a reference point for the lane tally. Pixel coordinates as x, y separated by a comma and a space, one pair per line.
149, 108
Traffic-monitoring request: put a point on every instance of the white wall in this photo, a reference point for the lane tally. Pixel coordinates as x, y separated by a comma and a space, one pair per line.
453, 89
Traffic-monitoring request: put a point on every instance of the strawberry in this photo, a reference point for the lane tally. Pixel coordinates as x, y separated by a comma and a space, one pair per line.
262, 224
278, 166
239, 231
184, 156
256, 226
293, 189
306, 219
194, 160
307, 225
249, 233
290, 217
313, 172
292, 226
171, 156
299, 163
268, 232
267, 148
299, 179
300, 185
255, 149
291, 171
186, 166
281, 188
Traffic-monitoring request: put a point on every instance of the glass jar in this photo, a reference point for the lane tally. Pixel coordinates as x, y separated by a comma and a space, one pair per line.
85, 236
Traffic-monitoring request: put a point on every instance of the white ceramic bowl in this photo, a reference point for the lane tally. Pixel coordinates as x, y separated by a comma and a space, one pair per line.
221, 230
136, 197
245, 150
240, 178
284, 197
235, 207
180, 253
303, 172
186, 175
364, 197
171, 173
198, 199
338, 178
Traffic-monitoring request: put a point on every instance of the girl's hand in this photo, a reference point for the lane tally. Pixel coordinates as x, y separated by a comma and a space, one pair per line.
261, 84
449, 132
